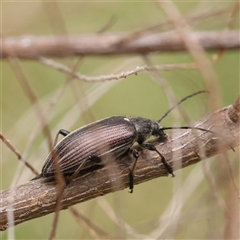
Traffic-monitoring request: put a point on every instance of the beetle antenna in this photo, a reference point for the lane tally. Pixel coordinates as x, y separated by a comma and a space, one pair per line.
182, 100
197, 128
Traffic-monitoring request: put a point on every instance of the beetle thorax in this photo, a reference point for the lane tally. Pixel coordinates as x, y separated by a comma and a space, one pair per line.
144, 128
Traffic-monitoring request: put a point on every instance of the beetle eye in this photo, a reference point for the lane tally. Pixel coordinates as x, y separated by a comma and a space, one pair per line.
155, 129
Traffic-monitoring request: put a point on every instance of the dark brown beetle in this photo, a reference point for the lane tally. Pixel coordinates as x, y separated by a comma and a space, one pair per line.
105, 140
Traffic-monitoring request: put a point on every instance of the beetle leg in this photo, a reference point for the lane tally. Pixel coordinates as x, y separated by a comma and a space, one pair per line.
94, 159
62, 132
151, 147
131, 170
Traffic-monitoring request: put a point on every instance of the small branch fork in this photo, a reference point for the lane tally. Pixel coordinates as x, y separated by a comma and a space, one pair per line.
38, 198
32, 47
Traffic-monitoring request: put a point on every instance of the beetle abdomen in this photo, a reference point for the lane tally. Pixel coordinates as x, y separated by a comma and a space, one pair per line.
105, 138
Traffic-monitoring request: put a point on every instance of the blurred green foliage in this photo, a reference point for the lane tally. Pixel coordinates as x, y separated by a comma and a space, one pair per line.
133, 96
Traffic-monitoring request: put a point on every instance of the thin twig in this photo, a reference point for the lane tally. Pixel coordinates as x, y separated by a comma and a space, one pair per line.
166, 67
195, 48
14, 62
18, 154
87, 224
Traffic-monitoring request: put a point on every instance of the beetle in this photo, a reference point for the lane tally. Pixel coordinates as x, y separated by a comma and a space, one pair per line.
99, 142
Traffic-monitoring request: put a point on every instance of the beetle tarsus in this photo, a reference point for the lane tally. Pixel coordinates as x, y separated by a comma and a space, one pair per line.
130, 181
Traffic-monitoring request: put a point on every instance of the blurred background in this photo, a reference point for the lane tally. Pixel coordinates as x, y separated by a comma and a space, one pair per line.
186, 207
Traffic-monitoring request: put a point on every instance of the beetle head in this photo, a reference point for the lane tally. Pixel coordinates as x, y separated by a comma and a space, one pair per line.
146, 128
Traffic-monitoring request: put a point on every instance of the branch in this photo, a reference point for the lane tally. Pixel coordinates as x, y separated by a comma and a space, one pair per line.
32, 47
181, 148
135, 71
